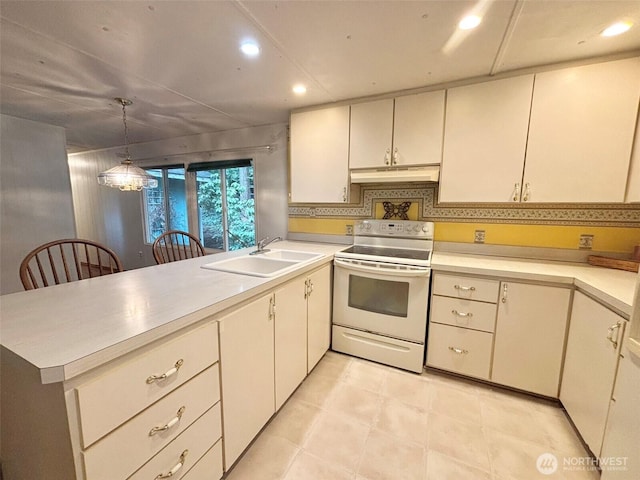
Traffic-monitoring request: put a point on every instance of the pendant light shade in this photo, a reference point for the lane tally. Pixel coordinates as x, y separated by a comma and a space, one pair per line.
127, 177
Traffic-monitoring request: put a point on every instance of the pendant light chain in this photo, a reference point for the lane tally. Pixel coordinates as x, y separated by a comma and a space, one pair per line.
125, 102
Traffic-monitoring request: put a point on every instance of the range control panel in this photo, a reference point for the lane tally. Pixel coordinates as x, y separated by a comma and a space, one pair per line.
397, 228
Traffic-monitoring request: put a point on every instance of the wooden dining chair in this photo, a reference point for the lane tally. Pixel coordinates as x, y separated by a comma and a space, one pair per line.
176, 245
67, 260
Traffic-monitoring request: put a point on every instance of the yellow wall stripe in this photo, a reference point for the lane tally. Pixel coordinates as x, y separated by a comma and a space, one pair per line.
606, 239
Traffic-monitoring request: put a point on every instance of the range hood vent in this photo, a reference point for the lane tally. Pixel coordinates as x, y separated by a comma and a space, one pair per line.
407, 174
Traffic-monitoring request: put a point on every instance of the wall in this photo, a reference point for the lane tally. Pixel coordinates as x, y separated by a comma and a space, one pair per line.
115, 218
36, 204
615, 227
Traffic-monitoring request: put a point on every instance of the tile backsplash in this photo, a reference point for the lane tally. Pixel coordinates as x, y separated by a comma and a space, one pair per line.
612, 227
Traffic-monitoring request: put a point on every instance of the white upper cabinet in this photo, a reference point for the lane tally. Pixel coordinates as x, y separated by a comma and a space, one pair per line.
581, 133
319, 161
418, 126
405, 131
485, 140
633, 184
371, 134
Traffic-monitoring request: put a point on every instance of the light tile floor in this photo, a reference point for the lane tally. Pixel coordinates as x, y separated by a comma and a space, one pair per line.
358, 420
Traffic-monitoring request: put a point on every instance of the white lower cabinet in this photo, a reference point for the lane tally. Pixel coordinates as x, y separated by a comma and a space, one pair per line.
140, 438
529, 340
302, 329
591, 360
264, 354
318, 315
131, 418
506, 332
460, 350
290, 338
247, 374
462, 320
184, 453
621, 446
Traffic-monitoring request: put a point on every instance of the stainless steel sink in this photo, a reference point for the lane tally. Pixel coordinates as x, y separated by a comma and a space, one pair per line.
268, 264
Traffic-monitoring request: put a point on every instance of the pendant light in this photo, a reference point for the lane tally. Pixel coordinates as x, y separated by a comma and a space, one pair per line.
127, 177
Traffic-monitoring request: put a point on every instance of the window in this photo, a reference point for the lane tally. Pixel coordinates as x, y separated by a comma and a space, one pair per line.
226, 205
166, 206
222, 211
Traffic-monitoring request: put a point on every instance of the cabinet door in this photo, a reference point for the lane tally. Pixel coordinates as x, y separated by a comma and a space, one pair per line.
247, 375
290, 339
529, 337
590, 367
319, 315
581, 133
622, 437
371, 127
485, 136
319, 163
418, 123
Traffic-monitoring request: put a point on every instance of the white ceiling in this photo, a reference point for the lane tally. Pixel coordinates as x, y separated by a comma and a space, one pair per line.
62, 62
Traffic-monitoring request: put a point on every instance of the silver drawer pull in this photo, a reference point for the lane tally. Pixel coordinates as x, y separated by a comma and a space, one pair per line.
462, 314
167, 374
464, 289
176, 468
459, 351
169, 424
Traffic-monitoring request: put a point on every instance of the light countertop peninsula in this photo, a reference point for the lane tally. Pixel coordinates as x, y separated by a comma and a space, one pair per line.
66, 330
614, 288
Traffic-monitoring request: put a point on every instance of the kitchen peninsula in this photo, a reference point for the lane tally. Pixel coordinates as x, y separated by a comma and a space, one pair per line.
78, 359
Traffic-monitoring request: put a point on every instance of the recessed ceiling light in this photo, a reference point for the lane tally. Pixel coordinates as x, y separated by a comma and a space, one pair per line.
250, 49
299, 89
469, 22
616, 29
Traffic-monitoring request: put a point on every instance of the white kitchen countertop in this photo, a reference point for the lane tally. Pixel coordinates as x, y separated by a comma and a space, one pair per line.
614, 288
66, 330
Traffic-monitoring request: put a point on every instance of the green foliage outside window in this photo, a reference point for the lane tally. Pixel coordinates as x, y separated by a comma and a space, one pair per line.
240, 207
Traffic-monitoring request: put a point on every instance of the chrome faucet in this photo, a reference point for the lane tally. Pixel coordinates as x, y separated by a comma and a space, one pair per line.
263, 243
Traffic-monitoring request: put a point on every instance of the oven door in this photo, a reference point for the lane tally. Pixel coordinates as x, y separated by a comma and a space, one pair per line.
384, 298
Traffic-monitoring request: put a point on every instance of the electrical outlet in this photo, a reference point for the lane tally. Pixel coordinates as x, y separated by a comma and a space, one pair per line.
586, 242
349, 229
478, 237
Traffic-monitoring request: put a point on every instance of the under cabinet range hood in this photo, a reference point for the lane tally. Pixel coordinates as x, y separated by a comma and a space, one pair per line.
396, 174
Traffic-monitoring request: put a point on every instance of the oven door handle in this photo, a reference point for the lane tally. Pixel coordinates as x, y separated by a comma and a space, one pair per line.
376, 267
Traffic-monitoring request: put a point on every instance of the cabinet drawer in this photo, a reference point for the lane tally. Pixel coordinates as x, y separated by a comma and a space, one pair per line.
209, 467
459, 350
111, 399
121, 452
470, 288
195, 441
463, 313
